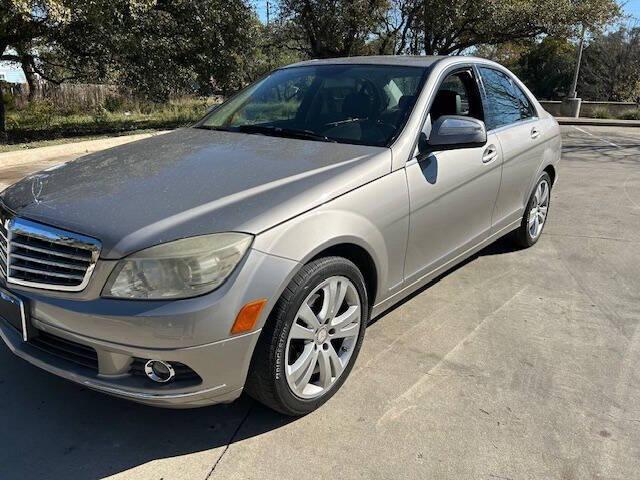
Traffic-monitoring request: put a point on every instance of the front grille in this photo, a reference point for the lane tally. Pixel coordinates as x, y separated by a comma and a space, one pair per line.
66, 349
36, 255
4, 244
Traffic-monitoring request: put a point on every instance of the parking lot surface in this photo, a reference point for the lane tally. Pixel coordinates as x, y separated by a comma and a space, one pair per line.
516, 365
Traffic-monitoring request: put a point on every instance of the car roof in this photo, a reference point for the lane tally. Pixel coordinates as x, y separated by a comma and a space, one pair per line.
424, 61
404, 60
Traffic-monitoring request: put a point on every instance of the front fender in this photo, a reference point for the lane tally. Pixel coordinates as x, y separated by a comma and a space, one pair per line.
307, 236
374, 217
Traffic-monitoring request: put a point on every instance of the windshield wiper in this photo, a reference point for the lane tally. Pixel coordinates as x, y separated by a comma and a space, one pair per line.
283, 132
212, 127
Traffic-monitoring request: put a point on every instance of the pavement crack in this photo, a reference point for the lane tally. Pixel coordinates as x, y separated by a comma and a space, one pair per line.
231, 440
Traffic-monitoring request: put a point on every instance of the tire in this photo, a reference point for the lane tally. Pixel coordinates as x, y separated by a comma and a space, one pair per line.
526, 235
272, 377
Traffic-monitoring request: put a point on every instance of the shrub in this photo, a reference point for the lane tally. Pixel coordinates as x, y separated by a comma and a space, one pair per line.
39, 114
600, 112
100, 115
630, 114
114, 103
9, 101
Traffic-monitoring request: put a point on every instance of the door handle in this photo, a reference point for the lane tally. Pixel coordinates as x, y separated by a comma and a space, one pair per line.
490, 154
535, 133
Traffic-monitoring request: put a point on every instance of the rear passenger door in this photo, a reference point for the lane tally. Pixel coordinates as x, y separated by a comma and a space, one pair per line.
512, 116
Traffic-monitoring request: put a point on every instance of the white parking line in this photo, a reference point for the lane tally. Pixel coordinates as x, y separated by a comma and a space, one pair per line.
596, 137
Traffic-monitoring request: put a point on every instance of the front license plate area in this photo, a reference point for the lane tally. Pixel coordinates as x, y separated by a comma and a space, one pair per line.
14, 311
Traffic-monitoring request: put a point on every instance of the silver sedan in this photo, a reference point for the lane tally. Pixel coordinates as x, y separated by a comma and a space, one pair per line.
249, 252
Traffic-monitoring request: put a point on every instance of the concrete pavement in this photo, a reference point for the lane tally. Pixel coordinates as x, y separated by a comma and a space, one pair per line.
516, 365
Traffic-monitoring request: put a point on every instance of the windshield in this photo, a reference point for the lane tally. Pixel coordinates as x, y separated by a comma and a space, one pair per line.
362, 104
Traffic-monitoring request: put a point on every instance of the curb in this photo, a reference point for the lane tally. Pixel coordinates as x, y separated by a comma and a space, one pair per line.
597, 122
66, 149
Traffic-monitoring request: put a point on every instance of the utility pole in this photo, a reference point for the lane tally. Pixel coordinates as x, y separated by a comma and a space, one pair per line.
268, 12
571, 105
574, 85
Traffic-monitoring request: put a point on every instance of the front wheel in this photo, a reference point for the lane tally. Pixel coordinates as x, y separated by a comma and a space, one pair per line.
312, 338
535, 215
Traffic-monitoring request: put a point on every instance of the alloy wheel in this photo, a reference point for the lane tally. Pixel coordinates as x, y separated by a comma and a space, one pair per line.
323, 337
538, 212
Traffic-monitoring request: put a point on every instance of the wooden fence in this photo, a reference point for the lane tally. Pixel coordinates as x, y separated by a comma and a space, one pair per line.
80, 96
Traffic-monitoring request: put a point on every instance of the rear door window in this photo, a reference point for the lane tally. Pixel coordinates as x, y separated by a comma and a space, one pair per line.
505, 102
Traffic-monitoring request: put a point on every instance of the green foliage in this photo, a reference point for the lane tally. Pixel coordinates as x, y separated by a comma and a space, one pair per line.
156, 48
275, 48
8, 100
547, 67
332, 28
611, 67
39, 115
631, 115
160, 49
452, 26
114, 103
600, 112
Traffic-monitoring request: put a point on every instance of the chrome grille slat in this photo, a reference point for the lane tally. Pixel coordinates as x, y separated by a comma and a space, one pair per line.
4, 243
39, 256
44, 250
48, 262
47, 273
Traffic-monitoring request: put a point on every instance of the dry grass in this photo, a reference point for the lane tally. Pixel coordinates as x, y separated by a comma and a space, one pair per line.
42, 120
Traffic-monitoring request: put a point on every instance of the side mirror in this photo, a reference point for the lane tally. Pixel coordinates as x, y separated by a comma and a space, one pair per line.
453, 131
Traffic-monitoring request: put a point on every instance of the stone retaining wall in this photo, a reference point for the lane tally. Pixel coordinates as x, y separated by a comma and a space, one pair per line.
587, 109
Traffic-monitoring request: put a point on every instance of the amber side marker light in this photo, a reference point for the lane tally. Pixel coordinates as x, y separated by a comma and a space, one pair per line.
248, 316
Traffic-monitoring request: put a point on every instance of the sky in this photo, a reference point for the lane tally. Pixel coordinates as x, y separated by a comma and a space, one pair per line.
631, 7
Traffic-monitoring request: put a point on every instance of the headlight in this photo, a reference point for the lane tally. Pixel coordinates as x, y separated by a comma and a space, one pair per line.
180, 269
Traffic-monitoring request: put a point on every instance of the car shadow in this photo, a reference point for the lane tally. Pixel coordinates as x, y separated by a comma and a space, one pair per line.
54, 429
501, 246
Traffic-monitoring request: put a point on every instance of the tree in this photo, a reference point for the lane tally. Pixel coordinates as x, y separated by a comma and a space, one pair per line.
155, 47
547, 67
450, 27
332, 28
27, 27
335, 28
20, 24
611, 66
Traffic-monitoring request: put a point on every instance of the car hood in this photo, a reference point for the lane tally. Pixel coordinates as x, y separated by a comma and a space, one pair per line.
191, 182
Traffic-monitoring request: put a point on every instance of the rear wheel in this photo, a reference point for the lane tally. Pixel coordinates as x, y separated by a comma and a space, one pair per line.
535, 215
310, 343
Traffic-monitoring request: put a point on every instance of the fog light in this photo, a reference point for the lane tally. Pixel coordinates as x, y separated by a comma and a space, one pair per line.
159, 371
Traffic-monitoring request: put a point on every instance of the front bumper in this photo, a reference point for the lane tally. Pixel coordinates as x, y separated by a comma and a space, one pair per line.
229, 359
192, 332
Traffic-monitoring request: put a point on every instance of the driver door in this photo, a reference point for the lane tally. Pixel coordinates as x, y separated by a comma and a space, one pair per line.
453, 192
